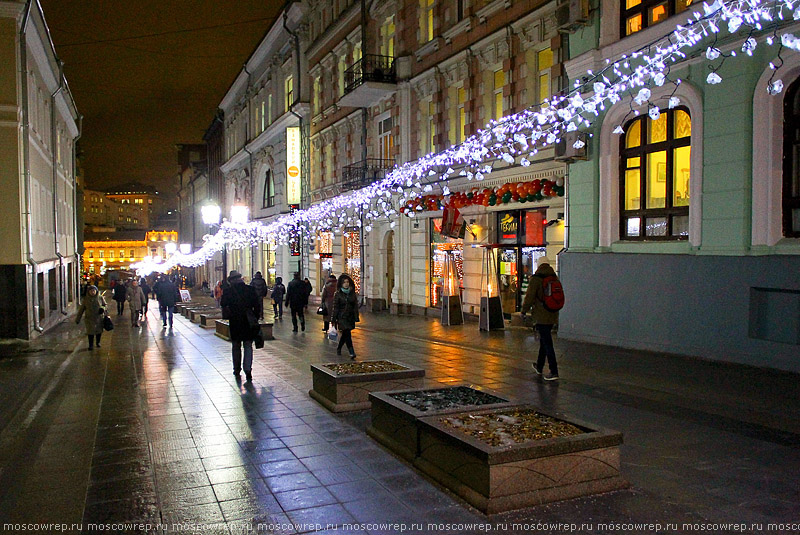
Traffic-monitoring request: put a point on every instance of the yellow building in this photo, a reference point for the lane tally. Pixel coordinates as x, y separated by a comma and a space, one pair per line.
105, 251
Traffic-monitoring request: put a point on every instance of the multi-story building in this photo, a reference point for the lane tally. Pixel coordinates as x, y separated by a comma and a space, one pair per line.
99, 210
118, 250
193, 194
138, 205
685, 228
39, 124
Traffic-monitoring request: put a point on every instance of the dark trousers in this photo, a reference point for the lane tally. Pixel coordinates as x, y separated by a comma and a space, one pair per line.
120, 307
546, 348
346, 338
92, 338
298, 312
236, 353
167, 309
277, 307
261, 308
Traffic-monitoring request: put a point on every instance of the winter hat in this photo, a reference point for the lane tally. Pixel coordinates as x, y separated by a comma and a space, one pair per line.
234, 276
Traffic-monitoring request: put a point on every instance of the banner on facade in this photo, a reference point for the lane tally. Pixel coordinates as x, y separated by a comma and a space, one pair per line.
293, 173
453, 224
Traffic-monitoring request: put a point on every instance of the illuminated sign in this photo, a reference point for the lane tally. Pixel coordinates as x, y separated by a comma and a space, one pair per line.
509, 225
293, 175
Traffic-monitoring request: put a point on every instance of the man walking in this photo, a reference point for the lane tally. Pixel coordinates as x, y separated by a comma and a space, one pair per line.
546, 297
167, 295
296, 298
260, 286
241, 302
120, 294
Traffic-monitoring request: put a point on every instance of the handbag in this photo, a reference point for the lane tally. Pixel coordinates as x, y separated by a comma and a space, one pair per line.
333, 334
322, 310
258, 340
108, 325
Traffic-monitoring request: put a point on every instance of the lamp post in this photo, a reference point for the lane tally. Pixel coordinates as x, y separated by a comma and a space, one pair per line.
211, 216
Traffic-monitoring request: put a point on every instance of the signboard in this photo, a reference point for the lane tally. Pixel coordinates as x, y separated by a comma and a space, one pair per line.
293, 174
508, 227
185, 297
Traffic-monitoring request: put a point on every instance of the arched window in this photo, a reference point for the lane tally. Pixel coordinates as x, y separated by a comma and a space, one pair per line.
791, 162
269, 190
655, 158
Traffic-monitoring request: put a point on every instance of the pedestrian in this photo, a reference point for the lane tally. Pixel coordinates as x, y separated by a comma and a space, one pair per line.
328, 293
218, 293
240, 301
93, 310
296, 299
136, 302
120, 294
260, 286
146, 291
167, 295
204, 286
278, 291
308, 290
543, 318
345, 312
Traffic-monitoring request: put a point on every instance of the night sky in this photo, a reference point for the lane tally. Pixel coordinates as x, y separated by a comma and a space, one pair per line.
141, 93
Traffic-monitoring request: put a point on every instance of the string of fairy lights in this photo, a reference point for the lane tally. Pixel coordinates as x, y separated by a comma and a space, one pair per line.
516, 139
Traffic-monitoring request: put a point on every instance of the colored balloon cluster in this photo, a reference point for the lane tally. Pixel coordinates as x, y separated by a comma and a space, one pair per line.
522, 192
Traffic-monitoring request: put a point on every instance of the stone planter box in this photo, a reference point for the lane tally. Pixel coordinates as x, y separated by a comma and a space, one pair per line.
194, 313
180, 306
502, 478
207, 318
223, 329
394, 422
341, 393
186, 311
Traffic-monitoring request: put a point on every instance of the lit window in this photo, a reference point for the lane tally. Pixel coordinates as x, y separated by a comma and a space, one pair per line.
426, 20
639, 14
655, 166
462, 115
499, 83
289, 92
544, 64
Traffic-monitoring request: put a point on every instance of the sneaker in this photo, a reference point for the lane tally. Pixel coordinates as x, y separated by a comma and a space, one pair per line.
536, 370
551, 377
352, 356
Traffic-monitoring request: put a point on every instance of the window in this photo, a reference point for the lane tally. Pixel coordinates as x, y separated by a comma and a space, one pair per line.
545, 63
791, 162
269, 190
91, 253
387, 37
426, 20
102, 254
317, 96
289, 87
499, 83
385, 138
111, 255
654, 177
121, 254
341, 68
269, 109
462, 115
132, 255
431, 126
263, 117
637, 15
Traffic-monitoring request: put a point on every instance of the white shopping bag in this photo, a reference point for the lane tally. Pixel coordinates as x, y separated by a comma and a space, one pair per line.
333, 334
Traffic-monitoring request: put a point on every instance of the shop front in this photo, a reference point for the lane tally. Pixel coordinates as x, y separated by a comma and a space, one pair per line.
268, 271
324, 257
522, 241
443, 245
352, 256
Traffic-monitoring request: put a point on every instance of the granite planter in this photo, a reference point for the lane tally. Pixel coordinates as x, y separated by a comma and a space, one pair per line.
395, 414
194, 313
186, 311
350, 392
501, 478
223, 329
207, 318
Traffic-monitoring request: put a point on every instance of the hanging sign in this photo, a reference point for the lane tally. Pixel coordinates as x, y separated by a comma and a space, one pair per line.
293, 175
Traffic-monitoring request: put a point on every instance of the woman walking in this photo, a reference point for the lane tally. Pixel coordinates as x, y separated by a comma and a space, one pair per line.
328, 292
93, 311
345, 312
137, 302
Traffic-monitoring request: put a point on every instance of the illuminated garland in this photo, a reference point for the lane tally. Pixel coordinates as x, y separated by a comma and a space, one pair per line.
522, 192
517, 138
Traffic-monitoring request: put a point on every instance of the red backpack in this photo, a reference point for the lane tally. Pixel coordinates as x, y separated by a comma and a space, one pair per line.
552, 293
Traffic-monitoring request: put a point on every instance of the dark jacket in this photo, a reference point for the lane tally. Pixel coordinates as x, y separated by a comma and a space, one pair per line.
535, 295
296, 296
241, 298
259, 285
167, 293
327, 298
278, 291
120, 291
345, 309
308, 290
146, 290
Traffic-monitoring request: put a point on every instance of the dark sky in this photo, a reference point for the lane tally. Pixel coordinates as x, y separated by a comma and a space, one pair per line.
140, 93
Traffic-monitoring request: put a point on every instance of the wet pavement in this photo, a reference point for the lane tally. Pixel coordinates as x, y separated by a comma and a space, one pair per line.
151, 433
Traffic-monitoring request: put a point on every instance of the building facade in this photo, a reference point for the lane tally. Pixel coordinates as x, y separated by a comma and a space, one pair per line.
685, 230
138, 205
118, 250
39, 124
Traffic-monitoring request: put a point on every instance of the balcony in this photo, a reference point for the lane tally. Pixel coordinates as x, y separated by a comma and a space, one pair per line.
364, 173
369, 80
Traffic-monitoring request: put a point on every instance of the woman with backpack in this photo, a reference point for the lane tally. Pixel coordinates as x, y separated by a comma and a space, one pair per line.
345, 312
545, 296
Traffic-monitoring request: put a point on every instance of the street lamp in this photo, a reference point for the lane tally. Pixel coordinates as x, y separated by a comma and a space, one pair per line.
211, 216
186, 248
170, 247
239, 214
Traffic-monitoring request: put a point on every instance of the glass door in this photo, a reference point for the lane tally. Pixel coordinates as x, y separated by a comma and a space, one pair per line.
508, 265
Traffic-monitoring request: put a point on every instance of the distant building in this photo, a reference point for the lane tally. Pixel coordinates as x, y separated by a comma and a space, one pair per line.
98, 210
104, 251
38, 127
137, 205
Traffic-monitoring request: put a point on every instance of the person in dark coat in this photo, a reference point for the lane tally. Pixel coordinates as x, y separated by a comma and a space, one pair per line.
309, 289
120, 294
345, 312
260, 286
296, 299
544, 319
328, 292
242, 301
167, 295
93, 311
146, 291
278, 291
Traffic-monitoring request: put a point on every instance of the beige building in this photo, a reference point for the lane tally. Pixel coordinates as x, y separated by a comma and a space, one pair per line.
137, 205
105, 251
39, 124
98, 210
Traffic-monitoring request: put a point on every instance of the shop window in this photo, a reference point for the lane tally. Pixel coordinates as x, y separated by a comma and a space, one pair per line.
655, 168
791, 162
325, 251
352, 257
441, 246
523, 239
637, 15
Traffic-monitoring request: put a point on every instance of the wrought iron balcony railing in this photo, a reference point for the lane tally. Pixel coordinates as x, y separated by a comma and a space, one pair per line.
365, 172
370, 68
